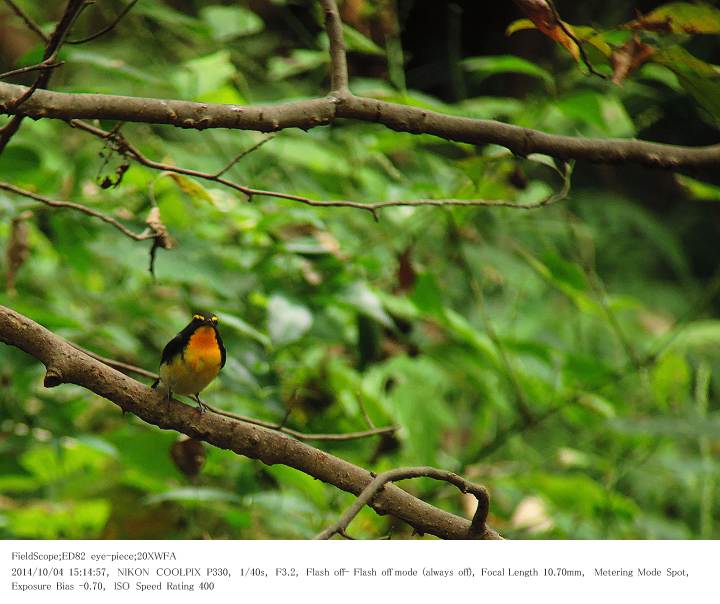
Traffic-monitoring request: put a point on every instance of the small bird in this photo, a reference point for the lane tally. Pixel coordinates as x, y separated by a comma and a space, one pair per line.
192, 359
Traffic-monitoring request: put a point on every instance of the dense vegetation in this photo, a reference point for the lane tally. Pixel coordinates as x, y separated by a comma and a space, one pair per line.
564, 356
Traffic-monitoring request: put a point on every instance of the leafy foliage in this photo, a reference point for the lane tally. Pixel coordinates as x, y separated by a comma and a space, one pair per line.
557, 356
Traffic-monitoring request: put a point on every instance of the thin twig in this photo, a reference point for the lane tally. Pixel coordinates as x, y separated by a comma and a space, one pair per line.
147, 234
125, 147
37, 67
242, 154
574, 38
119, 365
364, 412
338, 56
107, 28
477, 527
302, 435
27, 20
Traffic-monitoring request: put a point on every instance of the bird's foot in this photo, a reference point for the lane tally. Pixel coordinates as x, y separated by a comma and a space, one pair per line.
202, 407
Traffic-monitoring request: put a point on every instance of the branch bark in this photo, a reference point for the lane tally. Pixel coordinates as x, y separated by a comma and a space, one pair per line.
66, 364
324, 111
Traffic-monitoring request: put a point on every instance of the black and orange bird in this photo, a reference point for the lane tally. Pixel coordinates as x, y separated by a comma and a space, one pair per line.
192, 359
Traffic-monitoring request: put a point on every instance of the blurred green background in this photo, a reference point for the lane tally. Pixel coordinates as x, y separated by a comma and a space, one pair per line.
564, 357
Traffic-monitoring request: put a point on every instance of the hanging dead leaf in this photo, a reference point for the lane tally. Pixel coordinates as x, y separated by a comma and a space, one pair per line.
17, 250
628, 57
188, 455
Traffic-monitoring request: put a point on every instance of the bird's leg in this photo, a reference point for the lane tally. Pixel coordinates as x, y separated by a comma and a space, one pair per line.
202, 407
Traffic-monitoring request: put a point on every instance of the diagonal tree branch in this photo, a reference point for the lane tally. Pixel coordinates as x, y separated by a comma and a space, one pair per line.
66, 364
323, 111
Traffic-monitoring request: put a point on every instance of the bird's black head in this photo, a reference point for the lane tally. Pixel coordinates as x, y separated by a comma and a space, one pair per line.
203, 318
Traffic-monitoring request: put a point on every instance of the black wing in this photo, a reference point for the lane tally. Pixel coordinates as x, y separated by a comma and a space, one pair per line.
174, 348
222, 348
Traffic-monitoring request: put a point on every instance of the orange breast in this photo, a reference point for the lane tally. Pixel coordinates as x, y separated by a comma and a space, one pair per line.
202, 351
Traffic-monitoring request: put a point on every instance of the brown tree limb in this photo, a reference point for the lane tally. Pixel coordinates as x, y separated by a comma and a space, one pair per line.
477, 526
323, 111
66, 364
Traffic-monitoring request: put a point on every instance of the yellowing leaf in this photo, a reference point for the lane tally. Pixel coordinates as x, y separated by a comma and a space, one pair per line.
680, 18
191, 188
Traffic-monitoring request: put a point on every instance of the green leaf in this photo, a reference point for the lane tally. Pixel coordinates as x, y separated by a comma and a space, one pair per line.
243, 328
357, 42
18, 160
487, 66
362, 298
201, 76
59, 520
287, 320
698, 335
299, 61
698, 189
670, 379
194, 495
228, 22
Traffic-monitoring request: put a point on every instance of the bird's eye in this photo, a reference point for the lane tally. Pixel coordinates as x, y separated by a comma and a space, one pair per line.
197, 317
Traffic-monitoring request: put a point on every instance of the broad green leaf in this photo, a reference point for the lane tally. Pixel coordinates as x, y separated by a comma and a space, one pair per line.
299, 61
243, 328
204, 75
670, 379
361, 297
699, 189
491, 65
358, 42
287, 320
228, 22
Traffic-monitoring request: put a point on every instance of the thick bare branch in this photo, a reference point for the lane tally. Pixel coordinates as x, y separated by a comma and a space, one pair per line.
477, 526
319, 112
66, 364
